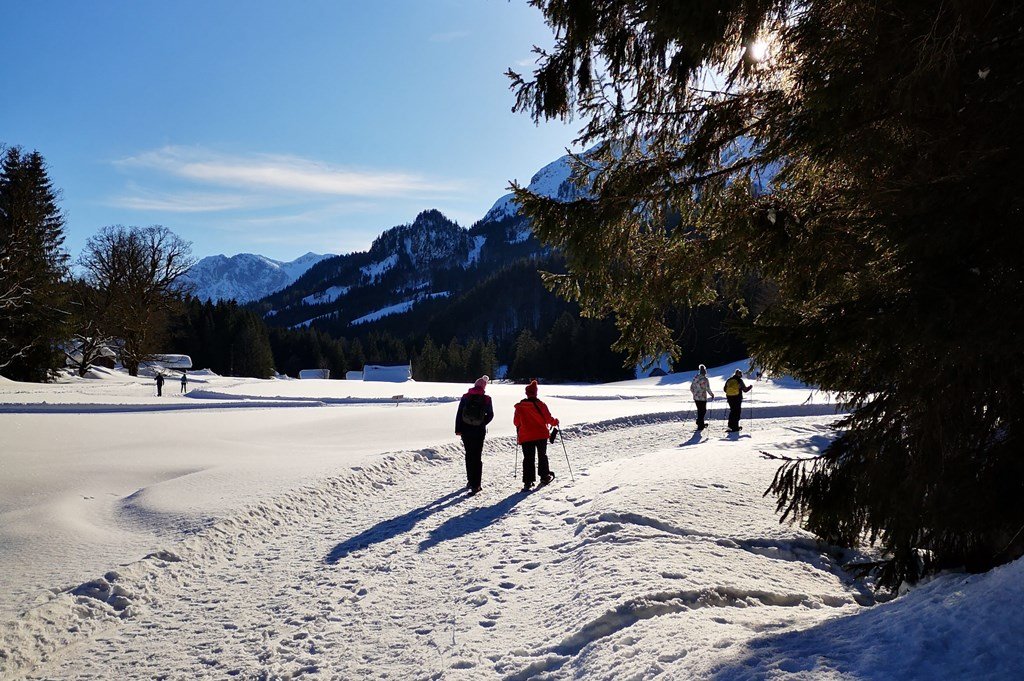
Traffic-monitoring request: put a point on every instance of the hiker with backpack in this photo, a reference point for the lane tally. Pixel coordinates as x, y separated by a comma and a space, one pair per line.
701, 389
532, 420
474, 413
734, 389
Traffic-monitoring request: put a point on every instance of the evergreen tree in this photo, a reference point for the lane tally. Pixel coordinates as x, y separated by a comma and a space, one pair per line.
32, 268
528, 360
356, 356
859, 160
560, 350
250, 348
456, 367
428, 365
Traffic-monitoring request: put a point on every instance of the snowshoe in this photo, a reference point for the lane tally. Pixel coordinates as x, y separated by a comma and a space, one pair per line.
527, 486
546, 479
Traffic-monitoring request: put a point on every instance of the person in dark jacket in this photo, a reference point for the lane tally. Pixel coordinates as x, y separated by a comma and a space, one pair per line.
184, 382
734, 389
159, 384
475, 412
532, 420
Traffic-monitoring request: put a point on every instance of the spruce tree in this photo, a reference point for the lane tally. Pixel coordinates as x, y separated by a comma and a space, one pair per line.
527, 362
33, 268
856, 164
428, 365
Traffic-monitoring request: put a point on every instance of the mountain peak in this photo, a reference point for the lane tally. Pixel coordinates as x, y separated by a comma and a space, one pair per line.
246, 276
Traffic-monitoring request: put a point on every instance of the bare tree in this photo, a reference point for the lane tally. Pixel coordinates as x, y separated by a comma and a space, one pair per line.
138, 273
90, 326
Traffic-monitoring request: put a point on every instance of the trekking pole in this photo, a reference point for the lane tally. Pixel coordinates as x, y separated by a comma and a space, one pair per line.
515, 459
571, 476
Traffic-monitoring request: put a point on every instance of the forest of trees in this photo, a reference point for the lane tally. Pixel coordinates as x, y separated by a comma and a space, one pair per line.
129, 295
131, 282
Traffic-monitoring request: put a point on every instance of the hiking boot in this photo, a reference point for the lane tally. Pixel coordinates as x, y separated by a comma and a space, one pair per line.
547, 478
527, 486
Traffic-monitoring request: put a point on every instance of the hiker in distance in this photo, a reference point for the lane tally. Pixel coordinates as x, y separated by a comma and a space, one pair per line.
159, 384
734, 389
184, 382
531, 420
701, 390
475, 412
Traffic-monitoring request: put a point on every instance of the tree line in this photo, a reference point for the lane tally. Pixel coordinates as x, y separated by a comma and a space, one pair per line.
128, 296
130, 282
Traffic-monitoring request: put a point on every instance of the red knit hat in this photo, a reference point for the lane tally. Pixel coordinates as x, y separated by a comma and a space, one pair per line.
531, 390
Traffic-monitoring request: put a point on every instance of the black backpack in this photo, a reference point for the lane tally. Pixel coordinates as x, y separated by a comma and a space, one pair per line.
474, 411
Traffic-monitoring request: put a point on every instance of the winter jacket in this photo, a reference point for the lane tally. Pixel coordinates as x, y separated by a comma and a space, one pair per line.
463, 428
700, 388
735, 386
532, 419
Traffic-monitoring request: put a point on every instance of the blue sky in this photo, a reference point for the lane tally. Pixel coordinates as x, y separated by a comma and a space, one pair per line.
272, 127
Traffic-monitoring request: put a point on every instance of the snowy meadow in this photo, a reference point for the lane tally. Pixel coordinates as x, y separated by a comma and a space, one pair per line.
282, 529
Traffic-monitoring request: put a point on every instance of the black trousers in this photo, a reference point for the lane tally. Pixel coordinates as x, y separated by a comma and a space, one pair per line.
540, 448
474, 445
734, 411
702, 409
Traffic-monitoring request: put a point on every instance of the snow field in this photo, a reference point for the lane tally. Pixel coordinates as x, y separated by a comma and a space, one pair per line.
392, 568
281, 544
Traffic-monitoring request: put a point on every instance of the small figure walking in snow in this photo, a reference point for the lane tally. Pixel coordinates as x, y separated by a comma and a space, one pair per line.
159, 384
532, 419
475, 412
184, 382
734, 389
701, 390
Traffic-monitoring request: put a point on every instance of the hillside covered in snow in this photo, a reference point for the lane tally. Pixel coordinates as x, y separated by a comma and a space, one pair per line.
321, 529
245, 276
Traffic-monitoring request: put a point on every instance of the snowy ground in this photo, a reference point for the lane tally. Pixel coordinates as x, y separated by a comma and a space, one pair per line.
283, 529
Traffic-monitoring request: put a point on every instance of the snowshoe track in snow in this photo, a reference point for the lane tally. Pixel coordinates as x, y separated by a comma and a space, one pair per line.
308, 583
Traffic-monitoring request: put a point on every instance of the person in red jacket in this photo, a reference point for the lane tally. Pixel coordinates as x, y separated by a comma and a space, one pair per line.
532, 420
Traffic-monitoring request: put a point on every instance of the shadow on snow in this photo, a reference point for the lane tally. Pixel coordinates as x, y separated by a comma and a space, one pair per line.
471, 521
393, 527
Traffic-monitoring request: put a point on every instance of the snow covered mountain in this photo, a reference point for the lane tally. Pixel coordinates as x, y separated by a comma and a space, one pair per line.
246, 276
553, 180
428, 263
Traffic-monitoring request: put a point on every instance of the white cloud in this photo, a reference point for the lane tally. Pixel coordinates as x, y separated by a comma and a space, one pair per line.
186, 202
284, 174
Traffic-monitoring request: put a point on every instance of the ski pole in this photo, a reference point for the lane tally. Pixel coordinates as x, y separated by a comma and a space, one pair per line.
515, 459
571, 476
